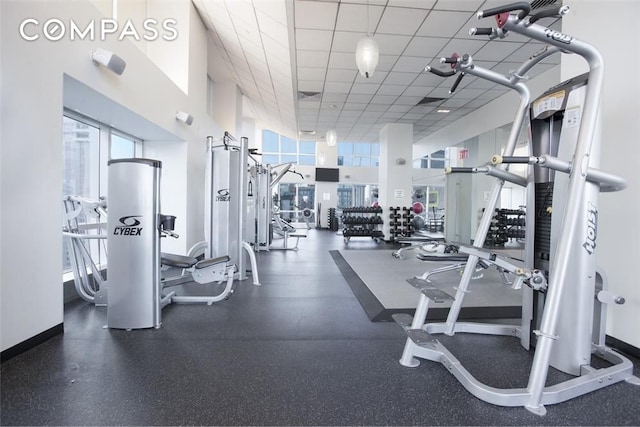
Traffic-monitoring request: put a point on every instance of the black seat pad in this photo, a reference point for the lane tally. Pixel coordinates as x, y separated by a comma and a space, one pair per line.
179, 261
212, 261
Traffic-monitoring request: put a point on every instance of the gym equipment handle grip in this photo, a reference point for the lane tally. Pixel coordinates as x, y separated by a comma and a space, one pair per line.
549, 12
481, 31
496, 160
524, 7
449, 60
439, 72
458, 170
457, 82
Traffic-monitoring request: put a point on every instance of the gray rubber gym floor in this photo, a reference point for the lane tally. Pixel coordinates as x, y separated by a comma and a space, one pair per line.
299, 350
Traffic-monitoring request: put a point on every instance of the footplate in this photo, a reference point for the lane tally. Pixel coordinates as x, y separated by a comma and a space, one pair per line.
421, 338
403, 319
434, 294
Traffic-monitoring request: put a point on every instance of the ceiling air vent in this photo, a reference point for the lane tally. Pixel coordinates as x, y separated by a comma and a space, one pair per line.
309, 96
428, 100
307, 132
537, 4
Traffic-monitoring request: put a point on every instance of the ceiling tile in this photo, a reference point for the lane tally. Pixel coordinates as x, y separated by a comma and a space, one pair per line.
398, 20
420, 4
272, 27
391, 44
376, 107
352, 17
383, 99
357, 97
389, 89
364, 88
408, 100
276, 9
344, 41
334, 97
338, 87
343, 60
377, 77
425, 47
310, 86
465, 5
313, 39
461, 47
315, 15
400, 78
443, 23
412, 64
400, 108
340, 75
310, 58
385, 62
306, 73
497, 51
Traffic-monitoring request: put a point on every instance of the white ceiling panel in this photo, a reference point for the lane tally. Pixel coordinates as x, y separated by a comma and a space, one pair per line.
274, 47
306, 73
391, 44
353, 17
363, 88
341, 75
343, 60
310, 58
383, 99
396, 78
411, 64
315, 15
497, 51
441, 23
385, 62
313, 39
411, 20
339, 87
461, 47
425, 47
345, 41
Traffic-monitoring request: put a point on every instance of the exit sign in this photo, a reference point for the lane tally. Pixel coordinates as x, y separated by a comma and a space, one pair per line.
463, 154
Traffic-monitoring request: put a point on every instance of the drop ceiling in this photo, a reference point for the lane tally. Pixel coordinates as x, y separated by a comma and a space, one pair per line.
294, 60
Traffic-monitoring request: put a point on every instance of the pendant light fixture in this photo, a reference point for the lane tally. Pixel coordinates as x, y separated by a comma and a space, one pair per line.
331, 137
367, 53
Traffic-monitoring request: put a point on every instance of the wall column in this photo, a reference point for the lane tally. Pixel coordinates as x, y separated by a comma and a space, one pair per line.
395, 168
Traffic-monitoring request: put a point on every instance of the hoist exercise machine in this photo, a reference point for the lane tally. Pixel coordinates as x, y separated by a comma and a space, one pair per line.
565, 297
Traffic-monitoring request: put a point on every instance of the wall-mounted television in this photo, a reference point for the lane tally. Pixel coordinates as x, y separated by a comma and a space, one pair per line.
328, 174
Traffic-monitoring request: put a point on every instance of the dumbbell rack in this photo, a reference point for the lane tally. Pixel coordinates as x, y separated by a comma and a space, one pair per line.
506, 224
332, 219
401, 224
362, 222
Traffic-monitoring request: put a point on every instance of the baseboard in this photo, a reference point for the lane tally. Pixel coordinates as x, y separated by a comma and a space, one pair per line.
622, 346
20, 348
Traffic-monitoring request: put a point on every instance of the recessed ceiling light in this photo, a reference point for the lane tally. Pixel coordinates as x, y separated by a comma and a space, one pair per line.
444, 111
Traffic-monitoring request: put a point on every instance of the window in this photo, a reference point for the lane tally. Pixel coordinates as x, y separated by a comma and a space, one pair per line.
87, 146
277, 149
297, 202
436, 160
358, 154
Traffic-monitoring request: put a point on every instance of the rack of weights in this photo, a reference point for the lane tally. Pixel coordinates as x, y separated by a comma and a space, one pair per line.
506, 224
401, 222
362, 222
332, 220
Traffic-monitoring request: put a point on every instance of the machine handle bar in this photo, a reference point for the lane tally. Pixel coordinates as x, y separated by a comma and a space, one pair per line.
459, 170
439, 72
457, 82
549, 12
497, 159
485, 31
450, 60
522, 6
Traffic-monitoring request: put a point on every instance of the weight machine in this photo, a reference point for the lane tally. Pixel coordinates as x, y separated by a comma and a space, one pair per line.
565, 297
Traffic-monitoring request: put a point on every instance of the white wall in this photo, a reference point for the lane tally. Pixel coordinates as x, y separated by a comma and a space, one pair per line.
618, 225
31, 150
